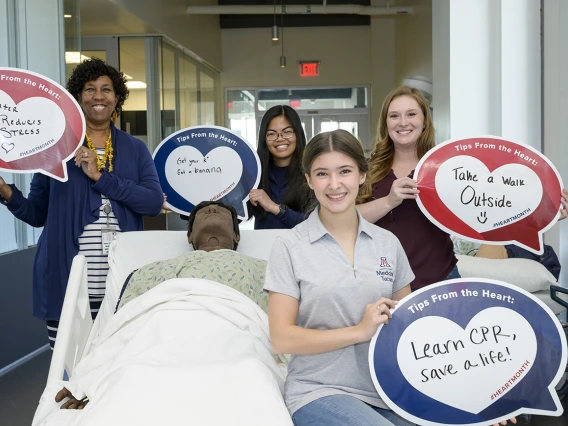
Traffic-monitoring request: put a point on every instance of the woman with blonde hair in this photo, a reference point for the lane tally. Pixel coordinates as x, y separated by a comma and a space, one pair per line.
405, 133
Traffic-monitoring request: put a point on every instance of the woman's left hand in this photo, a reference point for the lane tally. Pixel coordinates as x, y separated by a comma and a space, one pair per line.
564, 206
87, 160
504, 422
259, 197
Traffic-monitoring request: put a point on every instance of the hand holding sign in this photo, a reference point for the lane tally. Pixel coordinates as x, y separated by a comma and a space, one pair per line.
402, 189
88, 161
490, 190
469, 352
375, 314
260, 197
41, 125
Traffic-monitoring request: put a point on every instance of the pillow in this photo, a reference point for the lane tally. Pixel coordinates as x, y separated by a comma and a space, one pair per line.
524, 273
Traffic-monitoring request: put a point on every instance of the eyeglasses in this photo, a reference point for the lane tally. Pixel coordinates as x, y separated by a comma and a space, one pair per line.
286, 134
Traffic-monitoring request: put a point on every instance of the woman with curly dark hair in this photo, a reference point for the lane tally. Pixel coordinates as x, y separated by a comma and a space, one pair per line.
112, 184
282, 195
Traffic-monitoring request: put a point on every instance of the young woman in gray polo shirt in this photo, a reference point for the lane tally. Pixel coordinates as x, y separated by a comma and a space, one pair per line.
332, 281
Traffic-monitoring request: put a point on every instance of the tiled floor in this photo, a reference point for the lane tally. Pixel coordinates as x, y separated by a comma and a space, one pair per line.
551, 421
20, 390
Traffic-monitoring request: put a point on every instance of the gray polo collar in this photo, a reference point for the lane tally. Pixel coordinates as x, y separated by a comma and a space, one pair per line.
316, 230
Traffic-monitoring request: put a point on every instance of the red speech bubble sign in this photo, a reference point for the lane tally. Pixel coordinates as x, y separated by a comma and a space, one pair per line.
490, 190
41, 125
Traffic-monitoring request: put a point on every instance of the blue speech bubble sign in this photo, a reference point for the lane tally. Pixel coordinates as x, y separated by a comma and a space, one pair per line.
207, 163
469, 352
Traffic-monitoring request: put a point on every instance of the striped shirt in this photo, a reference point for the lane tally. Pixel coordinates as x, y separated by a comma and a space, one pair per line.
90, 246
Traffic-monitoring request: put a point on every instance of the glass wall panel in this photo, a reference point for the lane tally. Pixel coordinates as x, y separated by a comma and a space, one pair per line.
314, 98
320, 109
188, 90
170, 90
23, 235
133, 65
241, 114
207, 98
189, 107
71, 10
75, 57
218, 99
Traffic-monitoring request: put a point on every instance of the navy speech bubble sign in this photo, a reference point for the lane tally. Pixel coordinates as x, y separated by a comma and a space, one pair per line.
204, 163
502, 379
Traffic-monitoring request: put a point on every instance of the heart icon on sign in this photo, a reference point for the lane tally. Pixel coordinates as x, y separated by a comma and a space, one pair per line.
8, 147
499, 344
487, 200
199, 178
37, 124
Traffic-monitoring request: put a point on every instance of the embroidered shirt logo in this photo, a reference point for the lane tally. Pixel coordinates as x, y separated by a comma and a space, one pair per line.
385, 270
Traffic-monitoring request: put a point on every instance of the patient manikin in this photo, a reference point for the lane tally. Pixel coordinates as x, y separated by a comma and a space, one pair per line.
212, 226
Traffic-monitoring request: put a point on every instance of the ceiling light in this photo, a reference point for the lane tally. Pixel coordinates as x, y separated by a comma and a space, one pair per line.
274, 26
126, 76
135, 84
67, 16
282, 57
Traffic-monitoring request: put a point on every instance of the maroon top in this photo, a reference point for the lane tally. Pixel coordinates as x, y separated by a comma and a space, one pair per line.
430, 250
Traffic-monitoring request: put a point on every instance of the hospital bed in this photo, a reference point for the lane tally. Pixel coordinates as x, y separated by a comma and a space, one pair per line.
78, 335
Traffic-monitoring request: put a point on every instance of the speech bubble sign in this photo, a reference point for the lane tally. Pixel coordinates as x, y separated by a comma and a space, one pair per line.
204, 163
469, 352
41, 125
490, 190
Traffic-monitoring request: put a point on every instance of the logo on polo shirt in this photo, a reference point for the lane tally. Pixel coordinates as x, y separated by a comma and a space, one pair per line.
385, 270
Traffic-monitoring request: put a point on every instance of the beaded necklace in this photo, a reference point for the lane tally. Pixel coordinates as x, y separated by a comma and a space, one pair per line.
101, 162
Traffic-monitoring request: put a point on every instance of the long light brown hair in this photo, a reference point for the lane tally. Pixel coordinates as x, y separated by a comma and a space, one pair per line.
381, 161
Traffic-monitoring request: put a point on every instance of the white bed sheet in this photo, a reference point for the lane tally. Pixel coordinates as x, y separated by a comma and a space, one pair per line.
133, 250
188, 351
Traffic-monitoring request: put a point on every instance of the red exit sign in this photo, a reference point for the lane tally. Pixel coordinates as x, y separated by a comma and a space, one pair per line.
309, 69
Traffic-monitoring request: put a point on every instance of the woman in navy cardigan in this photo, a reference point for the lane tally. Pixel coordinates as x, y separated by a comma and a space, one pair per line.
112, 184
282, 194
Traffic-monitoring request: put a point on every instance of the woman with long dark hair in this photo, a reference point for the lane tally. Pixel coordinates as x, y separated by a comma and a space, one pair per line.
281, 197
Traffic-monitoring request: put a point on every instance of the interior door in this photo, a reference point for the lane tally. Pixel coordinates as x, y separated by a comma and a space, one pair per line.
308, 125
356, 124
